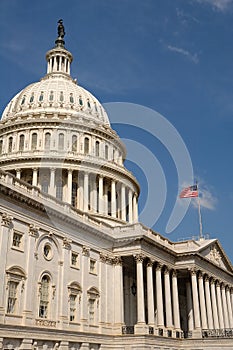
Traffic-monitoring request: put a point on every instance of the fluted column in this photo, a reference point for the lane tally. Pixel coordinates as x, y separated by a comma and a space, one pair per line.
52, 190
119, 305
130, 199
189, 306
123, 204
228, 295
80, 191
208, 303
69, 186
202, 301
34, 177
168, 302
85, 192
150, 294
214, 304
224, 304
159, 296
175, 297
105, 204
219, 304
231, 292
140, 290
135, 208
196, 308
113, 198
101, 200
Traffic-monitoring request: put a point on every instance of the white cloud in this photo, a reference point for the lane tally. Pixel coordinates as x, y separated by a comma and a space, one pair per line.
192, 57
220, 5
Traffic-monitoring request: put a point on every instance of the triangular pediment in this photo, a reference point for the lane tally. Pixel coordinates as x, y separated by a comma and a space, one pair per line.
215, 253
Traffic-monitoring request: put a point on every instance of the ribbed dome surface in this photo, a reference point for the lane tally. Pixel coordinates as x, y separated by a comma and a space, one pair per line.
56, 93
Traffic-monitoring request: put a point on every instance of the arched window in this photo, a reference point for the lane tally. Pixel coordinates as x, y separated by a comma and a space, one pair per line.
51, 96
34, 141
47, 140
61, 96
88, 104
32, 97
97, 148
41, 97
86, 145
61, 138
106, 152
23, 100
74, 143
44, 297
71, 98
10, 144
80, 101
21, 142
16, 278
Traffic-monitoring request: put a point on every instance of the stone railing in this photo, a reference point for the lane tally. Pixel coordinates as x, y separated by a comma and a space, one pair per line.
217, 333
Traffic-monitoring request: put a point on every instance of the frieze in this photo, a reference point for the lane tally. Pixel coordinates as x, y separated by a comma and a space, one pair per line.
46, 323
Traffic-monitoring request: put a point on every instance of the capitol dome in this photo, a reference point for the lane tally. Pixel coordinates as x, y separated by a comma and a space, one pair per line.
56, 135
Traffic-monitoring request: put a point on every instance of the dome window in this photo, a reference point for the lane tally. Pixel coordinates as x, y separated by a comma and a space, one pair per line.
41, 98
80, 101
47, 140
71, 98
34, 141
95, 107
86, 145
23, 100
106, 152
61, 138
51, 96
21, 143
10, 143
61, 96
74, 143
97, 148
88, 104
1, 143
31, 98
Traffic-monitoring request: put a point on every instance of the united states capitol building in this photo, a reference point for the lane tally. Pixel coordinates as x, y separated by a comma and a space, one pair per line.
77, 269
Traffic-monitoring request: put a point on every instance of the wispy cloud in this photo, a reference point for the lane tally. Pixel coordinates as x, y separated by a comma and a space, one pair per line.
185, 17
220, 5
192, 57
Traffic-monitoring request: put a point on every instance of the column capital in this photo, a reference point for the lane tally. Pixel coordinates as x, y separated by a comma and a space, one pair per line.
86, 251
103, 257
33, 230
70, 171
223, 286
166, 270
6, 220
117, 260
206, 278
218, 283
200, 275
193, 271
34, 169
139, 258
212, 280
159, 266
174, 273
66, 243
150, 263
52, 169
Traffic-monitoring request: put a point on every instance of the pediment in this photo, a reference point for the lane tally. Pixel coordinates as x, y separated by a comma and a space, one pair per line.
215, 253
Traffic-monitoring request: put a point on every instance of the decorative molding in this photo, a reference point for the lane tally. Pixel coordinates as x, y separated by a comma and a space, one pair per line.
33, 230
46, 323
6, 220
66, 243
139, 258
117, 260
86, 251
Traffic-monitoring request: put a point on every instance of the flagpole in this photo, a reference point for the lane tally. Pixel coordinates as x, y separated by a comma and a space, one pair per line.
200, 217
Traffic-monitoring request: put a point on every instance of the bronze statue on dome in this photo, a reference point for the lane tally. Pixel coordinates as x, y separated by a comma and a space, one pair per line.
61, 29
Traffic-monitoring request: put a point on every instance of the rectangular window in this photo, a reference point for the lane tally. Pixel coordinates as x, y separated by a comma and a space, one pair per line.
74, 259
92, 266
17, 239
72, 307
11, 303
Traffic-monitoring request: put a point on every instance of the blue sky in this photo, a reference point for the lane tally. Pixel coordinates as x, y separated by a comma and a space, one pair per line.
173, 56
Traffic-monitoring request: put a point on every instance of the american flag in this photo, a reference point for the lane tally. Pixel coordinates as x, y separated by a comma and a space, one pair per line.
189, 192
